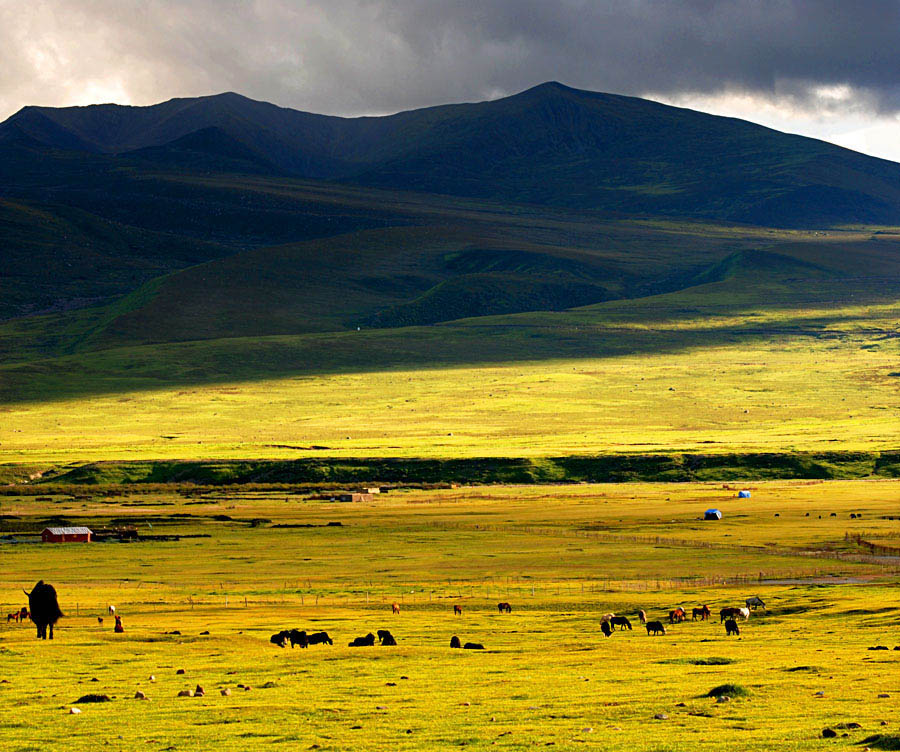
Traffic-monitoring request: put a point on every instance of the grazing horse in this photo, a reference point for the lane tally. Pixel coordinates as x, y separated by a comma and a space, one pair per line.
361, 642
703, 612
504, 608
607, 617
744, 613
457, 609
729, 612
395, 608
110, 610
10, 617
731, 628
454, 642
620, 621
655, 628
754, 602
642, 615
605, 628
677, 615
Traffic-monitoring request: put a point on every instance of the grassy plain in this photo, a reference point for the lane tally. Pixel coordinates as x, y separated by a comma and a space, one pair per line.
562, 555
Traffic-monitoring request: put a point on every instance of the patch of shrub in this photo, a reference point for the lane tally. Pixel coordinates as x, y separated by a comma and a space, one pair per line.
711, 661
882, 741
728, 690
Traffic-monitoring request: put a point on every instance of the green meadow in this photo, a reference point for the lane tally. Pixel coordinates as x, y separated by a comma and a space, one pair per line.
561, 555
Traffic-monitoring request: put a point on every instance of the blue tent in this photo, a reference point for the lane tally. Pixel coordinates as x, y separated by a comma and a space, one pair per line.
712, 514
743, 494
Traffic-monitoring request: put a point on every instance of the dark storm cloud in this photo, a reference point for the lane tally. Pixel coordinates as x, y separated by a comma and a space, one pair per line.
375, 56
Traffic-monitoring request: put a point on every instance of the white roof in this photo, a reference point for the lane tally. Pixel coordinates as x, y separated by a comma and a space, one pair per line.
68, 530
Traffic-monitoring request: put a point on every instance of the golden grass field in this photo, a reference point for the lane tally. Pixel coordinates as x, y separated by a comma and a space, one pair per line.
562, 555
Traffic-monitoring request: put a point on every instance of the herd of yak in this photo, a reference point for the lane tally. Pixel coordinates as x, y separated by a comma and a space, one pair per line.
43, 608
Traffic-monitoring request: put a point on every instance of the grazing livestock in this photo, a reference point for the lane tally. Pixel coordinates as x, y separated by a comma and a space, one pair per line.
620, 621
642, 615
454, 642
605, 628
23, 614
729, 612
703, 612
607, 617
504, 608
677, 615
110, 610
100, 620
319, 638
44, 608
457, 609
655, 628
280, 638
744, 613
118, 629
473, 646
10, 617
298, 637
362, 642
754, 602
731, 628
386, 638
395, 608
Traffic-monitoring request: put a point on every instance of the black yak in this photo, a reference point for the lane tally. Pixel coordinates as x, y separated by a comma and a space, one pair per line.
280, 638
605, 628
298, 637
655, 628
44, 608
319, 638
362, 642
731, 628
386, 638
454, 642
473, 646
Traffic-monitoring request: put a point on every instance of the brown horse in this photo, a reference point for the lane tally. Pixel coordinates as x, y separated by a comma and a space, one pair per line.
729, 612
457, 609
703, 612
642, 615
504, 608
677, 615
395, 608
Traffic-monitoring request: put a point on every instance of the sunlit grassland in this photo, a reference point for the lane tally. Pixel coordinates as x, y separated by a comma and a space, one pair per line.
671, 385
561, 555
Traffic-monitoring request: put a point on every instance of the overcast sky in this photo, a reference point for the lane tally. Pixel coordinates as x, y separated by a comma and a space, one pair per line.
826, 68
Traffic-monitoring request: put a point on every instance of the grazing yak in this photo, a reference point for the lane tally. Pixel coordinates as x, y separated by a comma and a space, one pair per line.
298, 637
473, 646
319, 638
454, 642
620, 621
731, 628
655, 628
280, 638
605, 628
703, 612
362, 642
504, 608
44, 608
386, 638
457, 609
754, 602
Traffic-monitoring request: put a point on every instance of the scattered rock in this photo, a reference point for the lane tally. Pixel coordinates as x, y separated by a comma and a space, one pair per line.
661, 717
268, 685
74, 711
851, 725
94, 679
381, 707
93, 698
174, 632
587, 730
820, 693
681, 705
879, 647
140, 695
226, 692
206, 632
390, 684
466, 704
180, 671
883, 694
828, 733
404, 677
